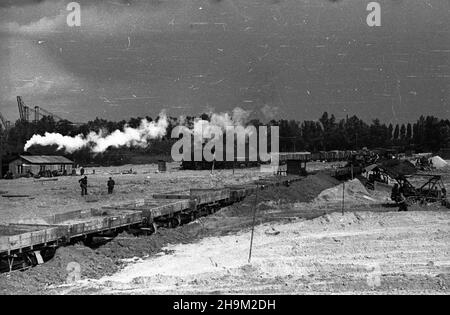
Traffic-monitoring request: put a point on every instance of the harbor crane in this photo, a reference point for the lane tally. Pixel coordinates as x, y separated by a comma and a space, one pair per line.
37, 112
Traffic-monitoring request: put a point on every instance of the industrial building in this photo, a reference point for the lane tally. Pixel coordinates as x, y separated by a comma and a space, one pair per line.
38, 164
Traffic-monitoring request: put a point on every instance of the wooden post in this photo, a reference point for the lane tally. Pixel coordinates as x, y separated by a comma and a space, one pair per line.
2, 143
343, 197
253, 224
1, 158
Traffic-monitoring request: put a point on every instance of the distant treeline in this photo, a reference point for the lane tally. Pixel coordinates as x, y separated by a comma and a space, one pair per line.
427, 134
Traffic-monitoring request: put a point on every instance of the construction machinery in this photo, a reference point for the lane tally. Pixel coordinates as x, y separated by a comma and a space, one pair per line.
424, 164
6, 126
37, 112
431, 190
356, 162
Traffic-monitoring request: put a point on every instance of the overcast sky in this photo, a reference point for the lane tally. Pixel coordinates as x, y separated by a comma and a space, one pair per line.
279, 58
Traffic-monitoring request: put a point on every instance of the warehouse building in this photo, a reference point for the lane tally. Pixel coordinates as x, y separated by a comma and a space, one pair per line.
40, 165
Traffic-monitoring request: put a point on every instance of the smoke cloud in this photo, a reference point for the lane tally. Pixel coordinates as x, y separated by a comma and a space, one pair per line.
100, 142
203, 129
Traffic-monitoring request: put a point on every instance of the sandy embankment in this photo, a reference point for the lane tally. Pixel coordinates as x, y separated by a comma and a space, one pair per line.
357, 253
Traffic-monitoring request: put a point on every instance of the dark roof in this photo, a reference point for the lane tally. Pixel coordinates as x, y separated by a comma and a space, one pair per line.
46, 159
299, 156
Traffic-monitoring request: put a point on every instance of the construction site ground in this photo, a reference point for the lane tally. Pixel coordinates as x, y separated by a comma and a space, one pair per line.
35, 198
302, 244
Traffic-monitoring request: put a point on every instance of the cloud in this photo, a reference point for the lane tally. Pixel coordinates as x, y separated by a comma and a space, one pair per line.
204, 129
44, 25
19, 3
270, 112
99, 17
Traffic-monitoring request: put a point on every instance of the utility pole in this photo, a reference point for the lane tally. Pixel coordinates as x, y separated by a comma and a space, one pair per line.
2, 144
253, 223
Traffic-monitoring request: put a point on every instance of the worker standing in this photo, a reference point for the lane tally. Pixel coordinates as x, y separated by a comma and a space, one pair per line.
398, 196
111, 184
83, 184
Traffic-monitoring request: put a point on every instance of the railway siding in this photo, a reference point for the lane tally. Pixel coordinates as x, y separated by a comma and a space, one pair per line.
58, 229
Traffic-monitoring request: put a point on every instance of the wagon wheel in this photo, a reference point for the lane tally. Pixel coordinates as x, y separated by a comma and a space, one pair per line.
153, 228
176, 221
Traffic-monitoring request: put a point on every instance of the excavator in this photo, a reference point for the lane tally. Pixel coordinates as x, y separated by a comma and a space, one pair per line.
431, 189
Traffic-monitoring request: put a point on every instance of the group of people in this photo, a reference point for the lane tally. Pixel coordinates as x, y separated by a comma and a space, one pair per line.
84, 184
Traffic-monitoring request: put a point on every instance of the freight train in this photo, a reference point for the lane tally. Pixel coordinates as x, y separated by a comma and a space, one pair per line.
28, 244
327, 156
332, 156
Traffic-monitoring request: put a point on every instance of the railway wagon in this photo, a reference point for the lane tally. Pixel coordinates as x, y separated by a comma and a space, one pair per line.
315, 156
205, 165
209, 196
324, 155
333, 155
16, 238
22, 245
27, 244
174, 208
239, 192
85, 222
158, 212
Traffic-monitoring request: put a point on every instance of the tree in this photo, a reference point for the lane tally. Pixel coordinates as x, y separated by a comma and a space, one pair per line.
403, 133
409, 133
396, 136
390, 132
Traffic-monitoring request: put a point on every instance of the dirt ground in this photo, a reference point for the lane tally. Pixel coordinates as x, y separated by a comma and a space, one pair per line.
64, 194
358, 252
303, 244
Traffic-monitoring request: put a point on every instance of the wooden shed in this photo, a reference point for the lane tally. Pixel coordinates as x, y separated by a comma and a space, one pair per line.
295, 161
39, 164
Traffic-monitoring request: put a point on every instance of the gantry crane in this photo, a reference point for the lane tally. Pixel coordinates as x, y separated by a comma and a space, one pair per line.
37, 112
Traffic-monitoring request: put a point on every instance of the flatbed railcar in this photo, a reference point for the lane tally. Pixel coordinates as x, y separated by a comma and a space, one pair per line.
23, 245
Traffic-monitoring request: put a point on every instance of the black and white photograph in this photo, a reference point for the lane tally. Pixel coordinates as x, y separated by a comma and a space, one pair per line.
224, 153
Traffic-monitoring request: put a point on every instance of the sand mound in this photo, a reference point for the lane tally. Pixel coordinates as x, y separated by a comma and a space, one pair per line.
438, 162
303, 191
56, 270
354, 192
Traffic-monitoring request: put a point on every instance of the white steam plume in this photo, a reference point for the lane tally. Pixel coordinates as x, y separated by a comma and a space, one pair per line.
100, 142
204, 128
